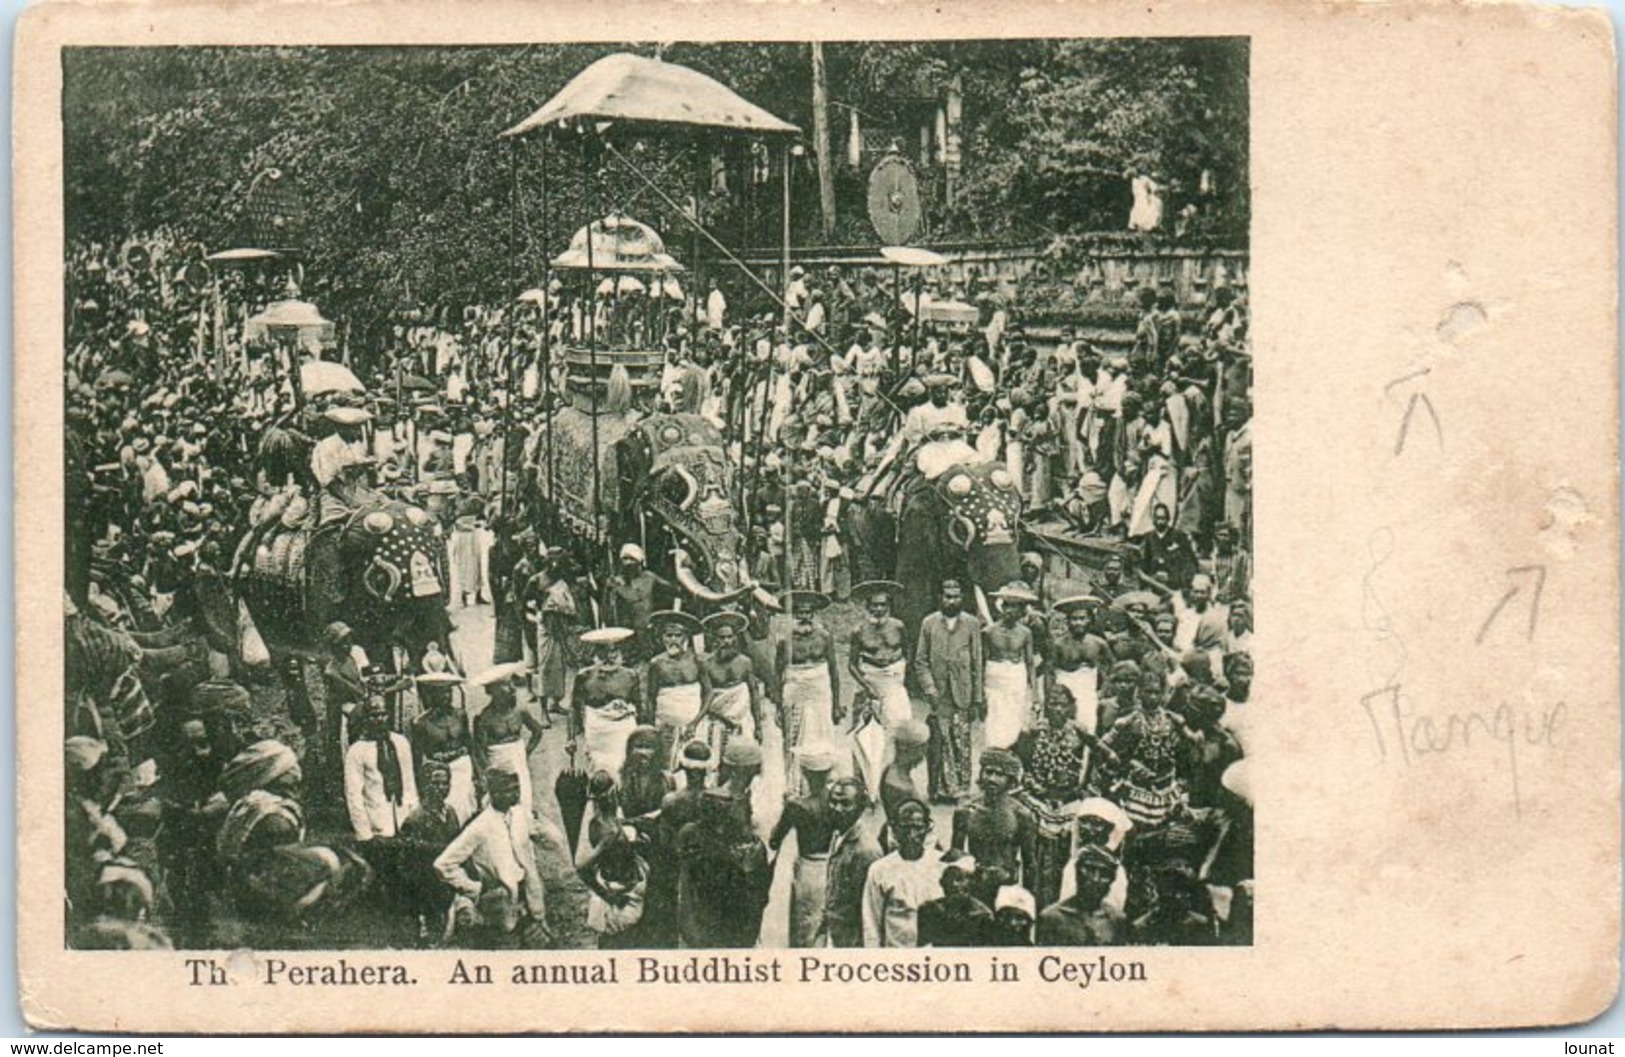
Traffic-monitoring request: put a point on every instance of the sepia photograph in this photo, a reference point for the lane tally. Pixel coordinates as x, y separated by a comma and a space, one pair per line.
658, 495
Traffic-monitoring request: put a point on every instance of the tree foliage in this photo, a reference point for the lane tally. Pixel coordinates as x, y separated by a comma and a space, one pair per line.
407, 185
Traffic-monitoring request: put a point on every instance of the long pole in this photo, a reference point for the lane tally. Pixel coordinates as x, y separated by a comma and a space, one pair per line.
784, 242
820, 105
509, 308
548, 308
592, 324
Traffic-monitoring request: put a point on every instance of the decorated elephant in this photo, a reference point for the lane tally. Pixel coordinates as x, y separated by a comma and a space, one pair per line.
378, 567
948, 514
664, 483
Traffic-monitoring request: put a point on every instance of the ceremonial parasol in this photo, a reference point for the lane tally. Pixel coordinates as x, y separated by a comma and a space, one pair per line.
1129, 599
293, 319
324, 376
619, 244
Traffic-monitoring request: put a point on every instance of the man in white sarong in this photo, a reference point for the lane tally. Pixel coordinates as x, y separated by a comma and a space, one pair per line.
876, 659
1010, 663
604, 703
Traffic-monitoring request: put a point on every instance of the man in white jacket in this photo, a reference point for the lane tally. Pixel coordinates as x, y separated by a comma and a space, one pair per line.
380, 790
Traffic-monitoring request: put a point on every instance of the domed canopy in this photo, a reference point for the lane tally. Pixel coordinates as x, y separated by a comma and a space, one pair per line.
292, 318
637, 90
619, 244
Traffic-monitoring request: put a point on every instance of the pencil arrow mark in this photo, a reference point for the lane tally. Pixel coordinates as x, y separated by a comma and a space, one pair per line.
1535, 572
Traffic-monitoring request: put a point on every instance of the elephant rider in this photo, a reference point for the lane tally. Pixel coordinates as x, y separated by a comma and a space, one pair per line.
733, 701
675, 685
604, 705
340, 462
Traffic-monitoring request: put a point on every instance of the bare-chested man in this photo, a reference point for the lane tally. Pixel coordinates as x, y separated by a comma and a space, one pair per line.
809, 681
604, 703
1011, 666
674, 685
504, 734
995, 828
1078, 656
876, 659
442, 735
733, 701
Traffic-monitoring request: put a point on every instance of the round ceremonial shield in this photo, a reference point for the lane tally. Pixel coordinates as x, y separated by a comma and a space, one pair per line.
894, 201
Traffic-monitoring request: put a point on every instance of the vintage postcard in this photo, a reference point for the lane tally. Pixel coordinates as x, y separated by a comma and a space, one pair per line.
856, 517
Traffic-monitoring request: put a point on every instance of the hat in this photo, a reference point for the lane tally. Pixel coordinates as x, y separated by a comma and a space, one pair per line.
1016, 591
257, 767
742, 752
439, 679
911, 732
661, 619
499, 673
696, 756
816, 758
1017, 898
1077, 604
727, 619
911, 389
807, 602
797, 272
939, 381
606, 636
632, 552
869, 588
348, 416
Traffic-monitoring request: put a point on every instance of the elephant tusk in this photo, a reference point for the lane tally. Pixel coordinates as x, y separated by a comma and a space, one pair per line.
691, 583
765, 598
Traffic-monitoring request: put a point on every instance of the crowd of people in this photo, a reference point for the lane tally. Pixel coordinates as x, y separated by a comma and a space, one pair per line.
1060, 761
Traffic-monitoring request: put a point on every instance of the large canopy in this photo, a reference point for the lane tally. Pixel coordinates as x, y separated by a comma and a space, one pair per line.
619, 244
638, 90
293, 318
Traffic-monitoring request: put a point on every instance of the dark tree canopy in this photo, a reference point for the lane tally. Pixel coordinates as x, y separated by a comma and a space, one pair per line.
393, 157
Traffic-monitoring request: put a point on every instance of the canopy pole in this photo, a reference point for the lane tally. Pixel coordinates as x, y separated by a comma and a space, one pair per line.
511, 310
592, 325
776, 295
784, 242
548, 309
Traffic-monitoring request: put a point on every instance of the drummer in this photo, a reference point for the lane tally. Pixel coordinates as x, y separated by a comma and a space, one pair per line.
604, 704
1078, 656
441, 735
810, 679
733, 702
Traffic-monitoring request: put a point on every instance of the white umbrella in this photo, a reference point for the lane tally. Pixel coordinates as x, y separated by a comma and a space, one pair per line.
325, 376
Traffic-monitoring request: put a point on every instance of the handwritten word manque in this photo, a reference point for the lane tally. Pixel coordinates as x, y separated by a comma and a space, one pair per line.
1418, 738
